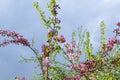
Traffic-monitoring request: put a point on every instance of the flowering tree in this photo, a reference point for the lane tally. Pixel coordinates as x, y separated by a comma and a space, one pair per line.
104, 65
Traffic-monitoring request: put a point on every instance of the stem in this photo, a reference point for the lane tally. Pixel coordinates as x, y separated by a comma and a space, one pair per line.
67, 56
38, 58
47, 73
36, 53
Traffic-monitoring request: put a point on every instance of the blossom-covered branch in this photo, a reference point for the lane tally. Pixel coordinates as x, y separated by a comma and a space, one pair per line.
16, 38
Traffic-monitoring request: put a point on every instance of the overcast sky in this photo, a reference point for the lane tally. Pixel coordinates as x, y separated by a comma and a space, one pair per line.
21, 16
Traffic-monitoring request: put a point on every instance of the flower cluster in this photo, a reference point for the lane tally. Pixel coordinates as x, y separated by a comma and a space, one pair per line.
54, 10
93, 67
18, 78
57, 6
85, 68
16, 38
57, 20
117, 30
118, 24
115, 61
46, 61
54, 13
60, 38
111, 41
75, 77
47, 50
109, 46
70, 50
81, 67
52, 33
46, 64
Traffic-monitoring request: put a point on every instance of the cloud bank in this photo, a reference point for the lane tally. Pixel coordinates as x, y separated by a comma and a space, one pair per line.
21, 17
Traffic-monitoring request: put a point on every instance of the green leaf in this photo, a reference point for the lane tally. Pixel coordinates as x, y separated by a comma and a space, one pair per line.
35, 4
73, 34
58, 27
102, 33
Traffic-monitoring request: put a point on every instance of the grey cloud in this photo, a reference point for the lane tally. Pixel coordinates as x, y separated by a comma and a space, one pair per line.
22, 17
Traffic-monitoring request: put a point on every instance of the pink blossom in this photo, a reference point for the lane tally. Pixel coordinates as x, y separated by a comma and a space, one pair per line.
44, 48
43, 70
105, 51
82, 64
16, 38
117, 30
71, 57
73, 43
70, 47
78, 51
73, 77
46, 61
77, 77
111, 42
118, 24
74, 66
71, 66
18, 78
75, 55
118, 41
23, 78
60, 38
57, 6
57, 20
51, 33
110, 47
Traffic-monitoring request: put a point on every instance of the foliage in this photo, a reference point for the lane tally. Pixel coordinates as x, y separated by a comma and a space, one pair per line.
104, 65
